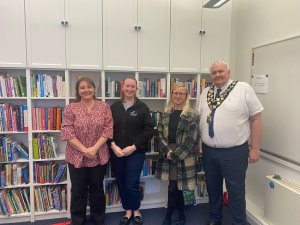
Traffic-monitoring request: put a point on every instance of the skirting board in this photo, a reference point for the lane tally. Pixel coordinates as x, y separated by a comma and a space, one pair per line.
255, 216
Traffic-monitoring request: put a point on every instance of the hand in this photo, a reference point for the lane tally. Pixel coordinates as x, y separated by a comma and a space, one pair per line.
91, 152
129, 150
169, 155
254, 154
117, 150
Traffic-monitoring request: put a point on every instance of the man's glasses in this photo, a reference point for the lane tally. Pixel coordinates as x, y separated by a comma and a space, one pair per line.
178, 94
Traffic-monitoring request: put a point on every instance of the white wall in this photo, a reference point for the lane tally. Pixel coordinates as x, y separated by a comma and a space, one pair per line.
256, 22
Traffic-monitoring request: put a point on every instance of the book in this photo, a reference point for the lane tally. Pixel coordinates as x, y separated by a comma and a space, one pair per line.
22, 85
23, 150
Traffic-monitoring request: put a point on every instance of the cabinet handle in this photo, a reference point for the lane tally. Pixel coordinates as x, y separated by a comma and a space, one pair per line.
62, 22
67, 23
135, 27
139, 27
202, 32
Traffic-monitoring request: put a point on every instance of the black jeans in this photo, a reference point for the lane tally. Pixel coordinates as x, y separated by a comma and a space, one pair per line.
87, 180
175, 200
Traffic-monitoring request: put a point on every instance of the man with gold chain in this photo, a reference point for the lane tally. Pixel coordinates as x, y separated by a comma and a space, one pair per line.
230, 114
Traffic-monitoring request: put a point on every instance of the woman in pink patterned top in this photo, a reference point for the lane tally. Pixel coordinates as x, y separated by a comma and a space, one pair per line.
86, 126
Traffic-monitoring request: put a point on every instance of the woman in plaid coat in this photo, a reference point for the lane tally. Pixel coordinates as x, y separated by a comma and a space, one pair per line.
178, 132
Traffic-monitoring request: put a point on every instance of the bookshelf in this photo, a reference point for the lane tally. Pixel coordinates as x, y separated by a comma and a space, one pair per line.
46, 151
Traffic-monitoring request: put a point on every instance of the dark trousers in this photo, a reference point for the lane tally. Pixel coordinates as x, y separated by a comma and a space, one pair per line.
127, 172
175, 200
229, 164
87, 180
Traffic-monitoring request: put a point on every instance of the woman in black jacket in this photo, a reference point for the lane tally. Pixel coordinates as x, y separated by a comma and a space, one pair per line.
133, 129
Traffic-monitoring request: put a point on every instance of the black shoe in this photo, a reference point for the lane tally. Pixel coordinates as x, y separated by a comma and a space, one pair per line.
167, 221
125, 220
180, 221
138, 220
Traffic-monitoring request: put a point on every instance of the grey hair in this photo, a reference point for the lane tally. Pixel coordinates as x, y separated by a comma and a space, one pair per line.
220, 62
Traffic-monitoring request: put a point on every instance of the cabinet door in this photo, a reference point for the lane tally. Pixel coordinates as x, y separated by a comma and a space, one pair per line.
215, 43
185, 37
45, 33
119, 34
12, 27
84, 34
153, 35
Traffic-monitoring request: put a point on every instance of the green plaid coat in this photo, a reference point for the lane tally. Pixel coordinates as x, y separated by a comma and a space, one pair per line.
183, 153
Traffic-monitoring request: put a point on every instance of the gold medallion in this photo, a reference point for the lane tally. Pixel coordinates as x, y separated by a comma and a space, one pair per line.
208, 119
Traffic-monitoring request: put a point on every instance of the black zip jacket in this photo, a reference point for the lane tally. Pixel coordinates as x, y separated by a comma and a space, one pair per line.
132, 126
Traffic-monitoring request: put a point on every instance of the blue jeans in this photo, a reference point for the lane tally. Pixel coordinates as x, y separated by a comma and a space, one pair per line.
127, 172
230, 164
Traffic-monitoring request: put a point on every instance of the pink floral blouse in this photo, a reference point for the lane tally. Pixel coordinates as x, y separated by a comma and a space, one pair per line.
87, 126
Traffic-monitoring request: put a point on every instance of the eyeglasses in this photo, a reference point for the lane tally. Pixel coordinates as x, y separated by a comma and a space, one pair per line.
179, 94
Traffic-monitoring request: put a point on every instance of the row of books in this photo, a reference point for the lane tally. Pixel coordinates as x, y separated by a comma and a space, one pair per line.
47, 118
149, 168
156, 117
204, 84
11, 150
151, 88
48, 198
11, 86
43, 85
112, 196
154, 88
13, 117
14, 201
113, 88
52, 172
14, 174
191, 86
44, 146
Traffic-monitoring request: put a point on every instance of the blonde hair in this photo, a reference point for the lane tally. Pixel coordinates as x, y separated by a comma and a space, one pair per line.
186, 105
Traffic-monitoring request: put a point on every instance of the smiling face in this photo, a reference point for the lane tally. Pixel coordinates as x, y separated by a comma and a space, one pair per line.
129, 88
86, 91
179, 95
220, 74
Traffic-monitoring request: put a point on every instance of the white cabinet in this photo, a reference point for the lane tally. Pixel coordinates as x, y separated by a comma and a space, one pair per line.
199, 36
12, 37
84, 34
45, 33
136, 35
64, 33
215, 42
185, 35
119, 34
154, 35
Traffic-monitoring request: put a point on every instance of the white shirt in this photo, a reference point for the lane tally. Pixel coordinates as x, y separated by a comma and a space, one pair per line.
231, 119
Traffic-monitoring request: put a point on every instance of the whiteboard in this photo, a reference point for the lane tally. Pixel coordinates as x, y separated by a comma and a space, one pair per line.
281, 116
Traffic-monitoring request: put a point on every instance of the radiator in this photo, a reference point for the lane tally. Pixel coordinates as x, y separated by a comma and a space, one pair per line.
282, 201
